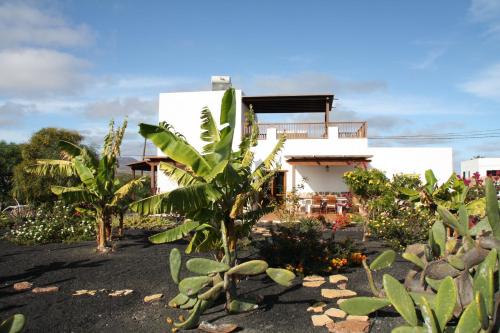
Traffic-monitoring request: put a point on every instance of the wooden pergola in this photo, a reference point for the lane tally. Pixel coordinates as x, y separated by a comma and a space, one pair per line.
150, 164
330, 160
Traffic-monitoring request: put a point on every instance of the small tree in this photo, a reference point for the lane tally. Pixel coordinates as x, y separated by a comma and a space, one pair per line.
366, 185
10, 156
99, 189
219, 196
44, 144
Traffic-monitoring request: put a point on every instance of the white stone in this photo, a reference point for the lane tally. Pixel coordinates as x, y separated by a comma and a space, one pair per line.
321, 320
337, 293
335, 313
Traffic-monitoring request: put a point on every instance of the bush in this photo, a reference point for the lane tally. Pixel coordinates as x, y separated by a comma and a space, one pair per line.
402, 226
136, 221
51, 224
307, 247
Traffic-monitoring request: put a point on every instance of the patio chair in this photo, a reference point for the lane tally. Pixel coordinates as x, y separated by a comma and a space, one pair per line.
316, 203
331, 203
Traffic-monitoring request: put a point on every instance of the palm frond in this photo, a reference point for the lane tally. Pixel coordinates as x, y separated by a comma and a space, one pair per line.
52, 168
126, 189
72, 194
181, 200
70, 150
108, 139
85, 174
176, 148
180, 176
174, 234
118, 138
105, 174
223, 148
270, 161
209, 131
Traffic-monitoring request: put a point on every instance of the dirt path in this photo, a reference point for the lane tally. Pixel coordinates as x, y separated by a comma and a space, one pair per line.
142, 267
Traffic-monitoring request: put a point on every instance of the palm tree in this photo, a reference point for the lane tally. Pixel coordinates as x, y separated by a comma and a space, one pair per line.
99, 188
220, 190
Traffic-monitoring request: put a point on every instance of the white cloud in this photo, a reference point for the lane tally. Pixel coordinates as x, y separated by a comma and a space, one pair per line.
136, 109
14, 113
430, 59
486, 84
402, 105
484, 10
309, 82
23, 25
36, 72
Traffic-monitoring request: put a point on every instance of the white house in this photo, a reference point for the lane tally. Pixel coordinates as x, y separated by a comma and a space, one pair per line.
485, 167
316, 154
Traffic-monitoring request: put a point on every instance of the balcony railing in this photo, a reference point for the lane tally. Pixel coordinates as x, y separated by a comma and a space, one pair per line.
346, 130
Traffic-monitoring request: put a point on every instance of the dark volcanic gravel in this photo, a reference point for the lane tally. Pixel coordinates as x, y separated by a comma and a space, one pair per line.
143, 267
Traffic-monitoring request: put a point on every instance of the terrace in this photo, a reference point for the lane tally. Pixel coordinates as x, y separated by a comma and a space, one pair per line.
299, 106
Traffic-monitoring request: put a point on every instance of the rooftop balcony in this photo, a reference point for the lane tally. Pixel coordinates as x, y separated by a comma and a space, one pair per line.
320, 130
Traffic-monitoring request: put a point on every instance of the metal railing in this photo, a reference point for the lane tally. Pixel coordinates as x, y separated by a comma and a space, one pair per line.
346, 129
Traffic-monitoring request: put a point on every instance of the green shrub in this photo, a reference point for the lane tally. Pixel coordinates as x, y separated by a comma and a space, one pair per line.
52, 224
136, 221
402, 226
306, 246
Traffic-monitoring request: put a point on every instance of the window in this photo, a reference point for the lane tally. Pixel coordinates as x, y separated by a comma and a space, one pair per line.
492, 173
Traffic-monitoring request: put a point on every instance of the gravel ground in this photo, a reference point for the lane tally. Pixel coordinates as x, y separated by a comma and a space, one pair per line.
143, 267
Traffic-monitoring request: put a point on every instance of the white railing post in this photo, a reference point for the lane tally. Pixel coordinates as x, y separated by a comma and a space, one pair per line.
333, 132
271, 133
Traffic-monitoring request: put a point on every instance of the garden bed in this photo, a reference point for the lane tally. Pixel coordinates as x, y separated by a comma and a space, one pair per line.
143, 267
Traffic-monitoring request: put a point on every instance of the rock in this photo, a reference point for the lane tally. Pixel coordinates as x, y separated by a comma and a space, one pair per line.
312, 284
119, 293
216, 328
321, 320
359, 318
340, 300
153, 298
84, 292
330, 326
338, 278
316, 307
342, 285
44, 290
335, 313
349, 326
337, 293
311, 278
25, 285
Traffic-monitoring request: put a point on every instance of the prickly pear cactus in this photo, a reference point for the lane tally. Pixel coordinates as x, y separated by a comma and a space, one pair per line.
451, 276
197, 293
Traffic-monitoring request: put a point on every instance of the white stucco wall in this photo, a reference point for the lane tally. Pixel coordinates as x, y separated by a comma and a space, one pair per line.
182, 110
413, 160
480, 165
319, 178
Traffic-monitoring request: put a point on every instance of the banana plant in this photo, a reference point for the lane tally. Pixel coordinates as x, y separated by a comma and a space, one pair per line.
219, 193
100, 190
450, 277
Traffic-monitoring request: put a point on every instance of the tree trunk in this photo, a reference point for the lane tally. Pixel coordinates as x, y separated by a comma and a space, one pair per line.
363, 212
101, 234
230, 251
120, 226
107, 223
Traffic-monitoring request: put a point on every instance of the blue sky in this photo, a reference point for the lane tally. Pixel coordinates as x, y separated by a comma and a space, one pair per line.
408, 67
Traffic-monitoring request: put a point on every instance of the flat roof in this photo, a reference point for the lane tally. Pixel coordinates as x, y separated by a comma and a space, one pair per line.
289, 103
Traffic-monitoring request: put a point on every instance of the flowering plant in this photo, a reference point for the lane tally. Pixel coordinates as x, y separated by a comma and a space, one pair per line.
53, 223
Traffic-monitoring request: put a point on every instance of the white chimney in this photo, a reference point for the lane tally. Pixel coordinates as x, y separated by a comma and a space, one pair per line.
221, 82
